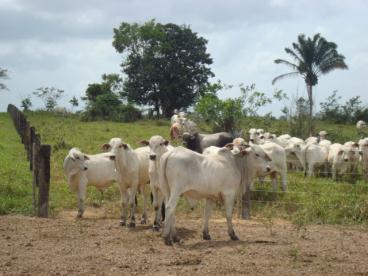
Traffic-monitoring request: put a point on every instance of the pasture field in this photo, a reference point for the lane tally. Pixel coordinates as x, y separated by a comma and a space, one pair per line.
314, 200
317, 227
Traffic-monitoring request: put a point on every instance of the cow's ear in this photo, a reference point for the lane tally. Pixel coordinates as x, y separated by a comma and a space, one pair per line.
143, 142
123, 145
268, 158
229, 146
166, 142
86, 157
106, 146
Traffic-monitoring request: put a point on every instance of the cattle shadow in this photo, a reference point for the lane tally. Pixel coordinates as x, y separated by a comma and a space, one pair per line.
185, 233
140, 228
226, 243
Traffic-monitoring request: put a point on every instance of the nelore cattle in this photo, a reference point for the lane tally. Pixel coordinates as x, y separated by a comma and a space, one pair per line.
84, 170
215, 176
132, 170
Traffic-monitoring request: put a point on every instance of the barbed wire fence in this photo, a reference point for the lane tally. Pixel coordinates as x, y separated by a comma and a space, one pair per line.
306, 190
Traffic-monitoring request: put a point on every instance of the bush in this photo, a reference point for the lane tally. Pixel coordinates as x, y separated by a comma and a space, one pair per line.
109, 107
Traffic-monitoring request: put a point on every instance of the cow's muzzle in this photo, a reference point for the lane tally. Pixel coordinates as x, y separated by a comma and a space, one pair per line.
85, 168
152, 157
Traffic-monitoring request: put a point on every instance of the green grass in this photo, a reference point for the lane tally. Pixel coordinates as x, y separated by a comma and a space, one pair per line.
15, 176
315, 200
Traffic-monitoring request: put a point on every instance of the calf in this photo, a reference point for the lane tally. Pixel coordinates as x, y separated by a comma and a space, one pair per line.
82, 170
132, 170
158, 146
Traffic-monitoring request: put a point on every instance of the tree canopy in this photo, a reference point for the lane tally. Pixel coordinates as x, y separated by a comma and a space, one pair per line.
166, 65
3, 75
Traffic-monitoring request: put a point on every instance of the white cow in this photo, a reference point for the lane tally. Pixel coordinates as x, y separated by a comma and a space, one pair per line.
338, 158
215, 176
363, 151
292, 160
158, 146
84, 170
314, 157
278, 164
256, 136
361, 125
132, 169
353, 159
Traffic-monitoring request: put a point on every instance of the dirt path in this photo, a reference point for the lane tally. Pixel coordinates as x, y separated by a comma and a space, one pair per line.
96, 245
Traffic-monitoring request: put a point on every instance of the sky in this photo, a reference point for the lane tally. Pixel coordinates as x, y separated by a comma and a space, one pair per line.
68, 44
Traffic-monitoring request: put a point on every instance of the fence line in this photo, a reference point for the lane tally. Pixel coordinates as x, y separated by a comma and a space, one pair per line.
38, 156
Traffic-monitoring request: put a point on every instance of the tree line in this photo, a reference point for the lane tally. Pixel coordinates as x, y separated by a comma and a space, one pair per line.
167, 67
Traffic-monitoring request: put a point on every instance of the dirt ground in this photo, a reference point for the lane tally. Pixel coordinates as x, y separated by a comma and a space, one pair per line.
96, 245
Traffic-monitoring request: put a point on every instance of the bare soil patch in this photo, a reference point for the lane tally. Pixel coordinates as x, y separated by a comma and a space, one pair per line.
96, 245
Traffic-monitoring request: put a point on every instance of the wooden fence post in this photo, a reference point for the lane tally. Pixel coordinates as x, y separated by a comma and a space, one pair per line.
246, 203
44, 180
39, 158
32, 137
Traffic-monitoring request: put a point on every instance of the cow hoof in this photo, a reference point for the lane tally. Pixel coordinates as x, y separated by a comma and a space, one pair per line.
122, 223
131, 224
176, 239
143, 221
234, 237
168, 241
156, 228
206, 236
79, 216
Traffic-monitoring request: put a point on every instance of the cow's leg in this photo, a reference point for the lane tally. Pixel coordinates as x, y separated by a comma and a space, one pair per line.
310, 169
82, 189
145, 193
158, 212
207, 213
124, 196
169, 228
229, 202
283, 180
334, 172
274, 181
132, 204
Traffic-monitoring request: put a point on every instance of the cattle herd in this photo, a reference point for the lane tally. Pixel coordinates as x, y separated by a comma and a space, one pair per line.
215, 167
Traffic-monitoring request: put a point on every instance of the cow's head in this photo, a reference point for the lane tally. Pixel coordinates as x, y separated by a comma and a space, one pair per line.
75, 161
256, 136
257, 161
158, 146
115, 146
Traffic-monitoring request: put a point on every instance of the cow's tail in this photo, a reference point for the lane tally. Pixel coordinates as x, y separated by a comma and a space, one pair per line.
164, 184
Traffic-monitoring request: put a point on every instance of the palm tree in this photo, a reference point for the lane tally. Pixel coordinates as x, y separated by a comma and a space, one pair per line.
313, 57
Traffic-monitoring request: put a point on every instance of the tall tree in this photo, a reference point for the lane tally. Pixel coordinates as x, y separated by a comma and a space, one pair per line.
74, 102
166, 64
3, 75
49, 95
313, 57
103, 98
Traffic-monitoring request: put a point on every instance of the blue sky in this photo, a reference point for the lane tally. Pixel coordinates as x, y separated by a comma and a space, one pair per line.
67, 44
